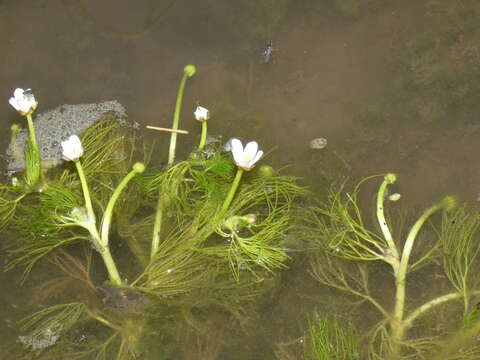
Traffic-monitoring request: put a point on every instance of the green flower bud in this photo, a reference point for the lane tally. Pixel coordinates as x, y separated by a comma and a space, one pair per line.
190, 70
15, 128
139, 167
266, 171
449, 203
390, 178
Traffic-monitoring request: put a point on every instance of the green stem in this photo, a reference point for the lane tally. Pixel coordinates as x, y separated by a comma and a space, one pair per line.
203, 139
432, 303
389, 179
113, 273
102, 319
157, 226
36, 173
188, 71
107, 215
102, 248
408, 322
231, 192
86, 192
31, 131
398, 324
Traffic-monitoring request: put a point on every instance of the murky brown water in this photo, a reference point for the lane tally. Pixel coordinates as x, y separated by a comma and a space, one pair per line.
391, 85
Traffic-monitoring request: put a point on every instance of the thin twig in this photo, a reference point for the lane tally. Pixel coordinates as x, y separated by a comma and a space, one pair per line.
167, 129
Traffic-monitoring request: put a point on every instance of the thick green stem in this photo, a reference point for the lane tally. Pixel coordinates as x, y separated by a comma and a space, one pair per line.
394, 258
34, 167
107, 215
86, 192
203, 139
398, 324
188, 71
113, 273
231, 192
31, 131
101, 247
408, 321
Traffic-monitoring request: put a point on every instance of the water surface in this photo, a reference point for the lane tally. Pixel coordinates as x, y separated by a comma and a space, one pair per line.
393, 86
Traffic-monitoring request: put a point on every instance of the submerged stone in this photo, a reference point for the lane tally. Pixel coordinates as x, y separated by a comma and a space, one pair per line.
48, 337
54, 126
124, 301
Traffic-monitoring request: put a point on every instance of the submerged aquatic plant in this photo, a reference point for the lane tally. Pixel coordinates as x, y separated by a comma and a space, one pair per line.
460, 249
338, 228
327, 338
50, 219
215, 239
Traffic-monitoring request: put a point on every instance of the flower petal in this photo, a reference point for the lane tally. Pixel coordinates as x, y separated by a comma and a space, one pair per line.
14, 103
201, 113
18, 93
237, 150
256, 158
72, 148
250, 151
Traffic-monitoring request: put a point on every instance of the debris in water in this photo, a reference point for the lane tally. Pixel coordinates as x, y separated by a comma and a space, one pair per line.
267, 53
318, 143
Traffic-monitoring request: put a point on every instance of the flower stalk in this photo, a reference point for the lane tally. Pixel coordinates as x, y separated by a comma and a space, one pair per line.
86, 192
202, 114
203, 138
393, 259
31, 131
398, 324
188, 72
138, 168
100, 244
231, 192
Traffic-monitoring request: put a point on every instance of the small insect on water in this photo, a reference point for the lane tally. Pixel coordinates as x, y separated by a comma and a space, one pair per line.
267, 53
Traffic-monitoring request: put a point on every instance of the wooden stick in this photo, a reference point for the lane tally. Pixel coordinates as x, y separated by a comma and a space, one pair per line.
167, 129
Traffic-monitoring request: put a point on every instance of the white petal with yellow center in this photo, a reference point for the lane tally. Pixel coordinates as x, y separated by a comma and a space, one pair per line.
245, 158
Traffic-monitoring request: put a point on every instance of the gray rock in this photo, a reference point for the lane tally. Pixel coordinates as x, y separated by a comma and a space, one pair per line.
46, 338
54, 126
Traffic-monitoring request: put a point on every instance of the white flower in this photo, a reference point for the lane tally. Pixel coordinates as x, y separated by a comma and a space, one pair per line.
72, 148
23, 101
245, 158
201, 113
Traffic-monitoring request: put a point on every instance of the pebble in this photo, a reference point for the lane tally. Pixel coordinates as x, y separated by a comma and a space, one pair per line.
318, 143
